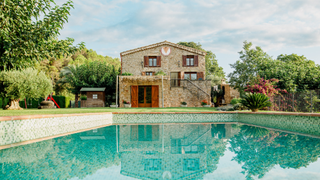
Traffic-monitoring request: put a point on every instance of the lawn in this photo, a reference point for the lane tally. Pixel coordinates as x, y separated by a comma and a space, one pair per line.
99, 110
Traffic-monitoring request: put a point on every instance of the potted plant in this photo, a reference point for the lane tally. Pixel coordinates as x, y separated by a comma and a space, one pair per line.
255, 101
113, 105
126, 104
183, 104
204, 103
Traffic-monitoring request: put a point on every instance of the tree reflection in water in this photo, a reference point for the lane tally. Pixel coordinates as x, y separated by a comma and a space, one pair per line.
259, 150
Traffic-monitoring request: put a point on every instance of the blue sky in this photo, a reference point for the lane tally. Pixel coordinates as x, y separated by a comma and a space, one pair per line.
278, 27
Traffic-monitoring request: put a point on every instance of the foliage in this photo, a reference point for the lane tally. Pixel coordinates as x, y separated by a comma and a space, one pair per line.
239, 106
160, 73
211, 63
19, 84
26, 39
183, 103
255, 101
258, 150
235, 101
83, 97
215, 80
204, 102
92, 74
266, 87
294, 72
126, 74
126, 102
248, 66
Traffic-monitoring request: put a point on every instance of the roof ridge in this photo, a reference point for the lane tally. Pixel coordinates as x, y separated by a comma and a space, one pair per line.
163, 43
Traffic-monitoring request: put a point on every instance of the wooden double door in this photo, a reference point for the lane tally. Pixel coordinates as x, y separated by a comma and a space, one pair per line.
144, 96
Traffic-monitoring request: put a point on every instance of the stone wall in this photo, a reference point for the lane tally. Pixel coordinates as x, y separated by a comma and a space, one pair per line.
172, 96
230, 93
133, 63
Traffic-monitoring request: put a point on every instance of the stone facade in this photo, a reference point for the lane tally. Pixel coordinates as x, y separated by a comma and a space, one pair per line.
172, 96
229, 93
132, 61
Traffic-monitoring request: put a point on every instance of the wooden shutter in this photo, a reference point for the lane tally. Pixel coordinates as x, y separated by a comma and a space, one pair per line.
134, 96
146, 61
155, 96
196, 60
158, 61
184, 61
200, 75
143, 73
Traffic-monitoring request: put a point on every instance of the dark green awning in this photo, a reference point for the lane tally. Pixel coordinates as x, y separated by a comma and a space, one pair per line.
92, 89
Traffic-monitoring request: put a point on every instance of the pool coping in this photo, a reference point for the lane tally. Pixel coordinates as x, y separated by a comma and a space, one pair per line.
26, 117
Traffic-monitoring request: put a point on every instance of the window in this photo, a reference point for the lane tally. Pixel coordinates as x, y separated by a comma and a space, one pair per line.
190, 61
190, 75
94, 96
149, 73
152, 164
153, 61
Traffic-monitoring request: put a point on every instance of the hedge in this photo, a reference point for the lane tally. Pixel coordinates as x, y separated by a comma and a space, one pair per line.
35, 103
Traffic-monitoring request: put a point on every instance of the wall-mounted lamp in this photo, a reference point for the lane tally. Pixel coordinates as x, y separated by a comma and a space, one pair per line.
178, 63
142, 64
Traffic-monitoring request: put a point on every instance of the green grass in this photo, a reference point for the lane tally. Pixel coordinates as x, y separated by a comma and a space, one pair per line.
99, 110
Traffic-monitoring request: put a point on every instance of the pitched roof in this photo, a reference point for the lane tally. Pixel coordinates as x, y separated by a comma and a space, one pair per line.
92, 89
161, 44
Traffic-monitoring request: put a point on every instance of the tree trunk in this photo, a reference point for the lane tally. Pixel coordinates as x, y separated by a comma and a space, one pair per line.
14, 105
76, 100
25, 103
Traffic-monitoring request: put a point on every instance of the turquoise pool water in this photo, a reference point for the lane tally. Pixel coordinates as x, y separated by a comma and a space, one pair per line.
179, 151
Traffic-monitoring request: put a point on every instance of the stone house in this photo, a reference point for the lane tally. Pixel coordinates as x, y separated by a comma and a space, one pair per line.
184, 79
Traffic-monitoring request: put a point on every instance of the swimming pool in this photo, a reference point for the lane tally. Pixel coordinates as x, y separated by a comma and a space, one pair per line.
167, 151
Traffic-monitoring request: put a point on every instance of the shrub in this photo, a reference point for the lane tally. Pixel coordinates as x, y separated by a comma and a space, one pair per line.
239, 106
235, 101
83, 97
183, 103
160, 73
255, 101
126, 74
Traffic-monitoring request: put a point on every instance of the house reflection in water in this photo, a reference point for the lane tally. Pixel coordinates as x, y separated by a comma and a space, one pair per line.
183, 151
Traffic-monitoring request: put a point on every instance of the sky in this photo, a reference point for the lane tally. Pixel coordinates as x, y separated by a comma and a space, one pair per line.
221, 26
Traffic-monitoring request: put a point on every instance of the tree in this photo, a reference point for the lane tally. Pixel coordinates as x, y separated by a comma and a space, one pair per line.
91, 74
248, 67
19, 84
295, 73
25, 38
212, 66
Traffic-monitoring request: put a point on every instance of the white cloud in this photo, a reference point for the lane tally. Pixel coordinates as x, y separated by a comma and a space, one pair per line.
221, 26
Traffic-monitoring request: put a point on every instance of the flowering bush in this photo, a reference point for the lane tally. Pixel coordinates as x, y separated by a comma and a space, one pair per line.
204, 102
266, 87
126, 102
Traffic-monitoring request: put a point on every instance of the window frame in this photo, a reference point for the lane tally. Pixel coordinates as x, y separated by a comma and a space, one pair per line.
154, 60
189, 74
188, 61
149, 73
